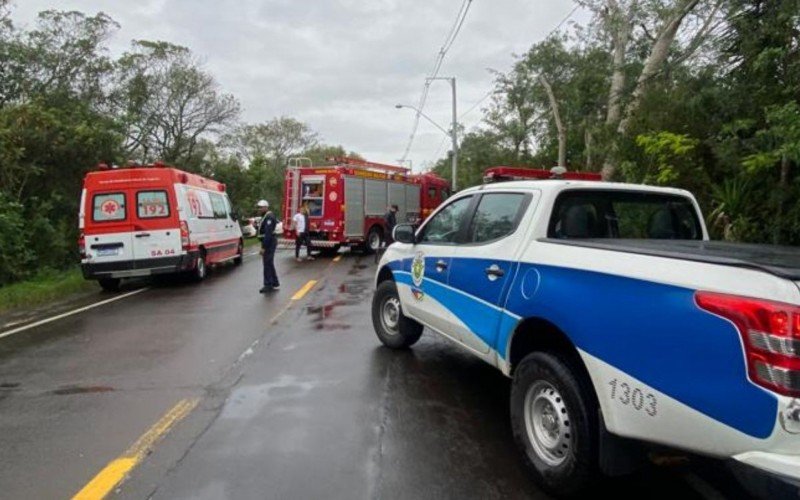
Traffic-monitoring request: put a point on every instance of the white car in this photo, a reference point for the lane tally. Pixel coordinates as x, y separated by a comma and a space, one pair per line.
622, 326
249, 228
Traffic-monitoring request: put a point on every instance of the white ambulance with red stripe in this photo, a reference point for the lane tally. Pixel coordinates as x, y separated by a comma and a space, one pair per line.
154, 219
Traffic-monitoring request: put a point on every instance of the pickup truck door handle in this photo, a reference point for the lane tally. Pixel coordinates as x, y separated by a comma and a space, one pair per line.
441, 266
494, 272
143, 235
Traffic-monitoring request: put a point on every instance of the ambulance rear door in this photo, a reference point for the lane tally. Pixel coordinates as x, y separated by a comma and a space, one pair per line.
109, 226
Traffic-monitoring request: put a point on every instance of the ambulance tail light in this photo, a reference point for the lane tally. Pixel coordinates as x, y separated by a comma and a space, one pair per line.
82, 245
770, 333
185, 242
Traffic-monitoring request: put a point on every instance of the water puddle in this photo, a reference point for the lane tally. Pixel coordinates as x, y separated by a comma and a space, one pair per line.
350, 293
82, 390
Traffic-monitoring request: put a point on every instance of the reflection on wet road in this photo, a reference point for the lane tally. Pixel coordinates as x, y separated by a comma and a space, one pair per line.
294, 399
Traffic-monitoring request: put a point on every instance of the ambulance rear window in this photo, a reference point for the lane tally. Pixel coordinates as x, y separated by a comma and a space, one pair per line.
152, 204
108, 207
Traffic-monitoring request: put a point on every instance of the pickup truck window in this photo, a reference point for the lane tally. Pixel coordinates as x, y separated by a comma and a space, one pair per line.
445, 226
624, 214
495, 217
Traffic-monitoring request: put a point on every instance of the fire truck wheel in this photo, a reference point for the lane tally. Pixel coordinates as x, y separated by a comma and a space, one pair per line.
110, 284
237, 261
393, 328
374, 240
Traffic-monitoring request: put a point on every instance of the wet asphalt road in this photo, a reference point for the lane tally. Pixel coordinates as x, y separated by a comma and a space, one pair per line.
296, 399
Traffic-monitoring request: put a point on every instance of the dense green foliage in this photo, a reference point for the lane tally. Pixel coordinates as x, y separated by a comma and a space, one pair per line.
66, 105
719, 116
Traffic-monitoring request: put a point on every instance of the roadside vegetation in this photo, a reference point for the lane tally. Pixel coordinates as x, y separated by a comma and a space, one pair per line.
700, 94
47, 286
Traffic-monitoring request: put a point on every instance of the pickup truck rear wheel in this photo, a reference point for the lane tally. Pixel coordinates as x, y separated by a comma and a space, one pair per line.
554, 423
393, 328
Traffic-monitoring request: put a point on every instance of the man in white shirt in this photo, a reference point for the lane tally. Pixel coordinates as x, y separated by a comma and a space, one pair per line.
303, 237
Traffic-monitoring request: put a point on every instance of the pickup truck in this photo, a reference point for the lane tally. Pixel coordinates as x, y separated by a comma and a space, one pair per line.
622, 327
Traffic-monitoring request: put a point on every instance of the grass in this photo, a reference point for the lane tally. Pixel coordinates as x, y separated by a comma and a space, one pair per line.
46, 287
251, 242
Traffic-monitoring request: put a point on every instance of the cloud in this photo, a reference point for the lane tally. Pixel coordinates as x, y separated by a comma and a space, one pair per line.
339, 65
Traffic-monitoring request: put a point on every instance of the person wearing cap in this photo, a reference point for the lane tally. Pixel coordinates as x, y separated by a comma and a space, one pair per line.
269, 242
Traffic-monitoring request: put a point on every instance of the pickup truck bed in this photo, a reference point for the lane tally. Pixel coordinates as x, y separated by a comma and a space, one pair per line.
780, 261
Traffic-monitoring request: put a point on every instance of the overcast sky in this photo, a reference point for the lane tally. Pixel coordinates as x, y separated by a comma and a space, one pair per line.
339, 65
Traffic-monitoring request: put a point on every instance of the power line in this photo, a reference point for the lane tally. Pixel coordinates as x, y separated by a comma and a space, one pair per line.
477, 103
491, 90
448, 43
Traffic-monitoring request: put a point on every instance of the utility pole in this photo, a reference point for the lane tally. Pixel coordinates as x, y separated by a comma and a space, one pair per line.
454, 130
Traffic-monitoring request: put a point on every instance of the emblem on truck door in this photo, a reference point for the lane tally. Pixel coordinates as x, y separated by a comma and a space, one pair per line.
418, 269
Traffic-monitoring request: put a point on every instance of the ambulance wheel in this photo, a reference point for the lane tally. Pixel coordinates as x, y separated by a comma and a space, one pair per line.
554, 422
237, 261
109, 284
374, 240
393, 328
200, 270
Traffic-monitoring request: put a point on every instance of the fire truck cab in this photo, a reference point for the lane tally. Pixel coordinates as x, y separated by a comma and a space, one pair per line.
348, 198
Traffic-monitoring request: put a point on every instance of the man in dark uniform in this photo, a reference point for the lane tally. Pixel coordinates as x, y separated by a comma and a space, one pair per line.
391, 221
269, 242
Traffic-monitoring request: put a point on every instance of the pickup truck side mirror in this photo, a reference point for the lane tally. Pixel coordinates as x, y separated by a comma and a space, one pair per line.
405, 233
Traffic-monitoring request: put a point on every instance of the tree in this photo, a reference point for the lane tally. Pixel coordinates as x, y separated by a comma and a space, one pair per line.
167, 103
657, 25
63, 58
274, 140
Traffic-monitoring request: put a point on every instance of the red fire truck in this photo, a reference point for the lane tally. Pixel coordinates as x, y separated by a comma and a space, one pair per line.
348, 199
502, 173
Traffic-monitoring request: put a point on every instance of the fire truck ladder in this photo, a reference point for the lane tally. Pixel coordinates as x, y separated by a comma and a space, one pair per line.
367, 165
293, 184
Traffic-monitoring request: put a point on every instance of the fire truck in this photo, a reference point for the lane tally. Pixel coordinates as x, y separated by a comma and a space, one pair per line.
348, 198
503, 173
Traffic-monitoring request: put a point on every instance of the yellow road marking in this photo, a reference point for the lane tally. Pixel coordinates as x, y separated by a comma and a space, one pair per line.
303, 291
116, 471
337, 258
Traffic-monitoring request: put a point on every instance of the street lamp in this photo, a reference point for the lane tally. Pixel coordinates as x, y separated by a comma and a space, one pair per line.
453, 133
401, 106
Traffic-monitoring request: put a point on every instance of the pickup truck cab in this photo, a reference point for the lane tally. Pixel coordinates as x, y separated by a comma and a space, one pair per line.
621, 325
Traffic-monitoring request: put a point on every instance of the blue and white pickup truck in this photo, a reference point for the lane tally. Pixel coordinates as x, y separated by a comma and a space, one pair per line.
621, 325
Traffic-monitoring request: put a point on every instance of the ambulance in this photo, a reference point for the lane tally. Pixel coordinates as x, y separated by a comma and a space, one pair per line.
154, 219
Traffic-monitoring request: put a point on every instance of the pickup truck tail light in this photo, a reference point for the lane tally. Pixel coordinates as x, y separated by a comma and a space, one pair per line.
185, 235
82, 245
770, 333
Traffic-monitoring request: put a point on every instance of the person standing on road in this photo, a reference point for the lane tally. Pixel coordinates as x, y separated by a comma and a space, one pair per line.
391, 220
303, 237
269, 242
